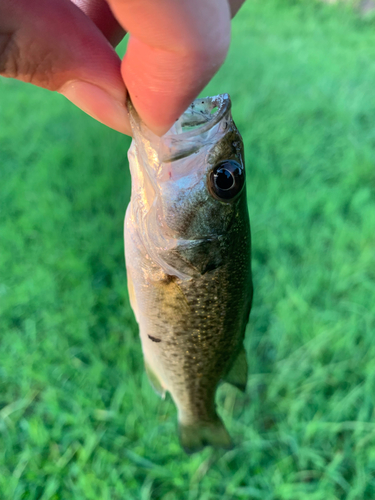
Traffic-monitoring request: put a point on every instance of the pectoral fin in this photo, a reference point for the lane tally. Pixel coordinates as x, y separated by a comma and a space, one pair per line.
237, 375
195, 257
154, 381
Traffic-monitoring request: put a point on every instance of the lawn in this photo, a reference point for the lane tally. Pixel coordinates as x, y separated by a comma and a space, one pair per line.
78, 419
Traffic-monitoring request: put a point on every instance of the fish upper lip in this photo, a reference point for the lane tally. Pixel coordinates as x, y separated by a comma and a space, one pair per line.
177, 144
221, 101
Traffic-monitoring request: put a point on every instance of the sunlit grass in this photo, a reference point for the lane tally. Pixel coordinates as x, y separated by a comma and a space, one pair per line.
78, 419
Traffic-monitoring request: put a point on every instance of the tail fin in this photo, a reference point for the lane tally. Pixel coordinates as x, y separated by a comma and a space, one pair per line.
195, 437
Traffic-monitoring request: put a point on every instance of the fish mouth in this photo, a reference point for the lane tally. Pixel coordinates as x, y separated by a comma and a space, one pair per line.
195, 128
201, 116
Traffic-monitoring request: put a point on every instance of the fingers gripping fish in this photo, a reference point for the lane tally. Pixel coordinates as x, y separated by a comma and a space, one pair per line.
187, 246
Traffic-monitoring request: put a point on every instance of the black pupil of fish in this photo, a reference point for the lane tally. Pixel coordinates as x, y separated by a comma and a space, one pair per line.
224, 179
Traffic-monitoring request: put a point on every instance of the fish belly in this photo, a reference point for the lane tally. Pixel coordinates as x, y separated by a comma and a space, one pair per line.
192, 332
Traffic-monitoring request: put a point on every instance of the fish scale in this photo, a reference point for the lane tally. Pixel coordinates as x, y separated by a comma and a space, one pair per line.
187, 247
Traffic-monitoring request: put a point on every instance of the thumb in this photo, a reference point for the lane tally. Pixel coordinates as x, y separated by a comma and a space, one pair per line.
53, 44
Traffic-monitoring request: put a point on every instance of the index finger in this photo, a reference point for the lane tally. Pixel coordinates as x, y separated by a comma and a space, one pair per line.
175, 48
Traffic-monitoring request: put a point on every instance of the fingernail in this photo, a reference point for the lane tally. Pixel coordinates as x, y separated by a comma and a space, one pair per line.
99, 104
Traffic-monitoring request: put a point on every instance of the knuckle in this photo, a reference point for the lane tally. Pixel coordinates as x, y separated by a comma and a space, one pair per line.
9, 55
26, 60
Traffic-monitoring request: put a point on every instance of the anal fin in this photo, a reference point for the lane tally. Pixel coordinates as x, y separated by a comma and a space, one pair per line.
237, 375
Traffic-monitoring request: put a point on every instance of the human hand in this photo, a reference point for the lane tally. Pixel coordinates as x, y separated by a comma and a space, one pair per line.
175, 48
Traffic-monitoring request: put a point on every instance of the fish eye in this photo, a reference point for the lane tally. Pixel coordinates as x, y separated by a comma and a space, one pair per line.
226, 180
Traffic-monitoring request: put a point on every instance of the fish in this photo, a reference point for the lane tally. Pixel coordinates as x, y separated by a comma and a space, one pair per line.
188, 261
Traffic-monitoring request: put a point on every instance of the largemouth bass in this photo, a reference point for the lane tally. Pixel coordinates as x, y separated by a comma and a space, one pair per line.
187, 247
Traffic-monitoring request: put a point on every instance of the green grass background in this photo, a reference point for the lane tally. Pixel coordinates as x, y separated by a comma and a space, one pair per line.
78, 419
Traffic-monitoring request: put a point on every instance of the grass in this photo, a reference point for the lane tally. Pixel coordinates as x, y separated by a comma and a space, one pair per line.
78, 419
